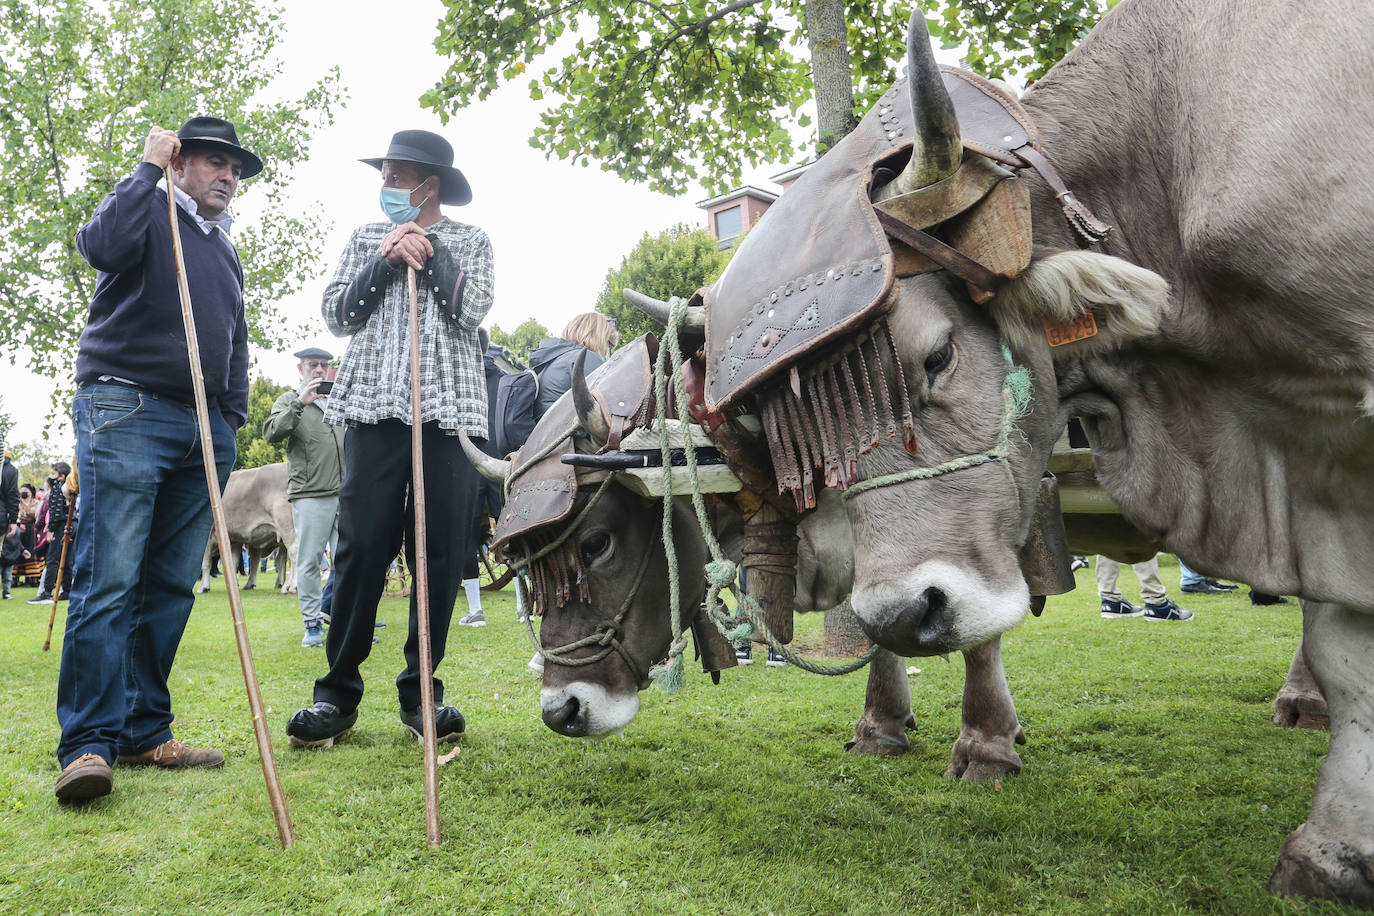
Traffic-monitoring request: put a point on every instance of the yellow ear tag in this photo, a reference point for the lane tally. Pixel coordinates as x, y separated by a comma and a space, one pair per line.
1081, 328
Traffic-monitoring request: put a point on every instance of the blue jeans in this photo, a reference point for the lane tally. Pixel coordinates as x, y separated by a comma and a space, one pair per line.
145, 518
1187, 576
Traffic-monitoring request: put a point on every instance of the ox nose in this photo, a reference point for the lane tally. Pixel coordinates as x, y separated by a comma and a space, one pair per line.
569, 719
919, 626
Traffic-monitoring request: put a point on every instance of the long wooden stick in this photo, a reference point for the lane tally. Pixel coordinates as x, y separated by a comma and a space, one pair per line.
421, 585
61, 568
231, 581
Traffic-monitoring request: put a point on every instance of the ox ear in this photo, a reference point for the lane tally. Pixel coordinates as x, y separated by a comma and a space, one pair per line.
1051, 297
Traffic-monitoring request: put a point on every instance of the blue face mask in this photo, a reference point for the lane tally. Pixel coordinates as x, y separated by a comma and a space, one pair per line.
396, 205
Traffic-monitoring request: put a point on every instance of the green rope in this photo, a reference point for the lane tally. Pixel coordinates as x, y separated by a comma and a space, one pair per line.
720, 572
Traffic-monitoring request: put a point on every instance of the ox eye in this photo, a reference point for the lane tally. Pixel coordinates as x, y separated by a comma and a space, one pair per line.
937, 361
594, 546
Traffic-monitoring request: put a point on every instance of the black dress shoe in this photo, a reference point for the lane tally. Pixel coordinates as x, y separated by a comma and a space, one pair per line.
1263, 600
319, 725
448, 723
1224, 586
1205, 587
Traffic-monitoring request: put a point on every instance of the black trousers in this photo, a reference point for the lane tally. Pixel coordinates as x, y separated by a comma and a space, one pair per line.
376, 515
54, 559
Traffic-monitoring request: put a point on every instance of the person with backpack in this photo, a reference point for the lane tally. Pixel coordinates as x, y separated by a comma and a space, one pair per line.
553, 360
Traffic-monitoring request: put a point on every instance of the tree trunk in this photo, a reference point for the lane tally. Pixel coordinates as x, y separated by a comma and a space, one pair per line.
830, 74
843, 636
834, 87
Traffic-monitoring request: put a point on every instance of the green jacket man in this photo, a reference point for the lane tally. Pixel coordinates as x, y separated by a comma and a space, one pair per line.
315, 465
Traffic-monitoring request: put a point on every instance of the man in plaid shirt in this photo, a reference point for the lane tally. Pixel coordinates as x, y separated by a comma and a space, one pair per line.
368, 298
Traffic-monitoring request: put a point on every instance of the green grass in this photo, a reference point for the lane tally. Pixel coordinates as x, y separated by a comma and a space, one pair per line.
1153, 783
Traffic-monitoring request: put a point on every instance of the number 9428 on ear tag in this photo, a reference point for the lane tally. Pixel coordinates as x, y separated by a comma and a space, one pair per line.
1061, 333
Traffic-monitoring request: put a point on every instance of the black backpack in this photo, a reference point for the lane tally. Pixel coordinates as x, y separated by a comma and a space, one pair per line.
516, 396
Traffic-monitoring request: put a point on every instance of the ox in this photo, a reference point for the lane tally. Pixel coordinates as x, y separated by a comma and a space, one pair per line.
1233, 418
258, 516
1227, 384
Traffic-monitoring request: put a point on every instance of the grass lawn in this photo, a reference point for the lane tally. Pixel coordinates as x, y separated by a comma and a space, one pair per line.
1154, 782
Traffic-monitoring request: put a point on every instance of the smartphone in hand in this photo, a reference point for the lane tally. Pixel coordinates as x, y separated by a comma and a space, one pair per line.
324, 388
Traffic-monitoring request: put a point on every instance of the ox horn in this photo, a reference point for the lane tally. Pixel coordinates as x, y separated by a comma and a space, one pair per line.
493, 469
938, 146
657, 309
588, 410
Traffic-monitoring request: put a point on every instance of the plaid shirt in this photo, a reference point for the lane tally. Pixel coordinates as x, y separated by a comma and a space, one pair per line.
374, 379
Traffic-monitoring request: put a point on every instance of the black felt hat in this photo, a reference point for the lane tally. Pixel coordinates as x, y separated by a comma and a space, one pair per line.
425, 148
312, 353
219, 133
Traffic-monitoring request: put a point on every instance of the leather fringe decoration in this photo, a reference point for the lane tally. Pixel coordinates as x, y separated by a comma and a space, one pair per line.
553, 575
823, 421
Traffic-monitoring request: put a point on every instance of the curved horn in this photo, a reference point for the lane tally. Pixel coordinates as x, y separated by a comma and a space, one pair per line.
938, 146
588, 410
657, 309
493, 469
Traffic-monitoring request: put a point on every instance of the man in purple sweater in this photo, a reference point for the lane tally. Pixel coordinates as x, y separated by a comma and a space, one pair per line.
145, 508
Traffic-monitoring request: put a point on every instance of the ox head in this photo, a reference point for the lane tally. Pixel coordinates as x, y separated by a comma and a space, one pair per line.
937, 535
601, 592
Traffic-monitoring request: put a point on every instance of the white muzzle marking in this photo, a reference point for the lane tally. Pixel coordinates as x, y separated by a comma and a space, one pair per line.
605, 713
975, 608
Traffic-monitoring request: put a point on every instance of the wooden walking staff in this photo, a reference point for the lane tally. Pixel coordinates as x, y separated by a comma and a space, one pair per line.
207, 451
421, 584
57, 586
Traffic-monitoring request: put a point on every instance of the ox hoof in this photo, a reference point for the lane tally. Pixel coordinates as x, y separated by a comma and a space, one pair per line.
247, 586
1299, 709
878, 745
1330, 870
204, 590
983, 760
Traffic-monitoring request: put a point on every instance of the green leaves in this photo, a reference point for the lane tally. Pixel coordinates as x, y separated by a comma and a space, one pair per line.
675, 92
676, 262
84, 81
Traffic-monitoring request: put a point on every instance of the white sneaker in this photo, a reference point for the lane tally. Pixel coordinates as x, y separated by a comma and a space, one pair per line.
477, 618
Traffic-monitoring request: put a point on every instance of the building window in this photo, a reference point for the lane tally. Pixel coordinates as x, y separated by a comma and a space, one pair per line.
729, 223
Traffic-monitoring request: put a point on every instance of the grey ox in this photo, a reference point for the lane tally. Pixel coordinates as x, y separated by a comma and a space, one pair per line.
258, 515
1225, 381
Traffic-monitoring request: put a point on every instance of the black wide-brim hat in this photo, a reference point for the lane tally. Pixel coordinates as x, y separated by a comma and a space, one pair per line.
425, 148
219, 133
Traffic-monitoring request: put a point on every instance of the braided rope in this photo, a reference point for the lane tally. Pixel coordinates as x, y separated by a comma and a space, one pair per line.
720, 571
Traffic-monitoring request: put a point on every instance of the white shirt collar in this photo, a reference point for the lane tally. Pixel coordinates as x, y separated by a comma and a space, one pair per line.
188, 203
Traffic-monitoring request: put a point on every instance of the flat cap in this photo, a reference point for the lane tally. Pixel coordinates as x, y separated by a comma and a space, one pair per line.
313, 353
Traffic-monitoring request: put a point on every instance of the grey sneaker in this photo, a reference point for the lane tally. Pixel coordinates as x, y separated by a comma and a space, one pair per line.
775, 659
477, 618
314, 636
1166, 610
1116, 609
448, 723
744, 654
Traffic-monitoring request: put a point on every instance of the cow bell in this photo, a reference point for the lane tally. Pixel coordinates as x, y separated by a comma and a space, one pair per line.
1045, 558
713, 649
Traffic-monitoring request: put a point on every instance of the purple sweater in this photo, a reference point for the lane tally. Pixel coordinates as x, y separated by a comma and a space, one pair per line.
134, 330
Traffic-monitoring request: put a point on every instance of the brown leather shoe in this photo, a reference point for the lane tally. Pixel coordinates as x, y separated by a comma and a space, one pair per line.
172, 754
85, 778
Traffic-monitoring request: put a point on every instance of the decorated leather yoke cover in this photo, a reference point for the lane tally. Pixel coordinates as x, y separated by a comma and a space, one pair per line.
814, 279
546, 492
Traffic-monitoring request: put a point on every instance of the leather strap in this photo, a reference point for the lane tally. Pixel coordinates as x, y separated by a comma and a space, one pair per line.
1089, 227
952, 260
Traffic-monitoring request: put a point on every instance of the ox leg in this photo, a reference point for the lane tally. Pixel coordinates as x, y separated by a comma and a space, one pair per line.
253, 559
205, 564
986, 748
1300, 703
1332, 855
887, 709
